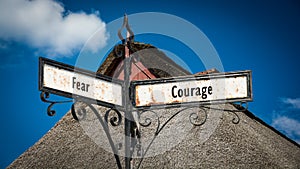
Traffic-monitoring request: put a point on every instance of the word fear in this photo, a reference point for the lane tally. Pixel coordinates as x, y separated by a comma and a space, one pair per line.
80, 85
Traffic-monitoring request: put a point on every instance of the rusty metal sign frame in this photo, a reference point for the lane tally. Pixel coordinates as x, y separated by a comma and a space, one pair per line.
45, 61
246, 73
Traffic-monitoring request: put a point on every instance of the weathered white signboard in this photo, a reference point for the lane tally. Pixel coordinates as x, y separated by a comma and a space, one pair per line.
65, 80
208, 89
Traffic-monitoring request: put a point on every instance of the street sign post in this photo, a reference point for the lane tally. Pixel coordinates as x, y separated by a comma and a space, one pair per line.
68, 81
128, 96
138, 96
189, 90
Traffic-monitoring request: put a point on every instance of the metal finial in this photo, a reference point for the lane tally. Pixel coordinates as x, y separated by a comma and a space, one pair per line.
126, 25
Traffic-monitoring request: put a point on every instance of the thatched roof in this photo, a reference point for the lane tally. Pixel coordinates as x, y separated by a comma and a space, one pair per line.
153, 59
248, 144
218, 143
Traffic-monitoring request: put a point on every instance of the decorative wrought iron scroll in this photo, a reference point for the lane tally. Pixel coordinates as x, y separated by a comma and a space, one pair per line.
104, 121
194, 119
45, 96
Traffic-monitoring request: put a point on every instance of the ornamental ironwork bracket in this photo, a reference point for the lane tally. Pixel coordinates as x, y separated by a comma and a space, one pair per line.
113, 117
45, 98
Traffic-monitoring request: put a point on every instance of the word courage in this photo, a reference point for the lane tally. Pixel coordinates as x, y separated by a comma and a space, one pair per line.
189, 92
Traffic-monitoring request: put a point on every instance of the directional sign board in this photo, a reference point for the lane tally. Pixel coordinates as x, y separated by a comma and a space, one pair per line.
68, 81
207, 89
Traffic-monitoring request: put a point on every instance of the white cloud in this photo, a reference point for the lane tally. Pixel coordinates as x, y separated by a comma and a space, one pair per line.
295, 103
289, 126
44, 24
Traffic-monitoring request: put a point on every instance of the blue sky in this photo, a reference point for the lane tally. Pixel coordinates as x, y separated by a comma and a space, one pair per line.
262, 36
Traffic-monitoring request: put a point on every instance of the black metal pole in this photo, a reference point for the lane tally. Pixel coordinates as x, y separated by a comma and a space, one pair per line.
128, 124
128, 107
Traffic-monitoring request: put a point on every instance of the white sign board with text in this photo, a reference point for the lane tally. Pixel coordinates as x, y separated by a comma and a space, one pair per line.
68, 81
207, 89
